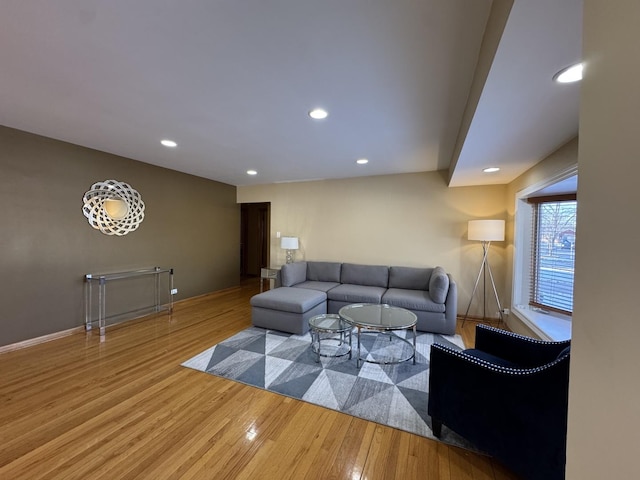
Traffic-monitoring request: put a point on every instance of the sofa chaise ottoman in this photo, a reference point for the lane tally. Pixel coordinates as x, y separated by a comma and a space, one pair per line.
287, 309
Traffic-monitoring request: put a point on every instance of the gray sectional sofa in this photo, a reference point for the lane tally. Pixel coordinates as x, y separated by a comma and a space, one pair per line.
311, 288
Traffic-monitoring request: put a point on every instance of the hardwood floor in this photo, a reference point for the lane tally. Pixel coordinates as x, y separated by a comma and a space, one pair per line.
76, 408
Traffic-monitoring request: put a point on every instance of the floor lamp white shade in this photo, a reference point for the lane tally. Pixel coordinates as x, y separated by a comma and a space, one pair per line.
486, 230
290, 244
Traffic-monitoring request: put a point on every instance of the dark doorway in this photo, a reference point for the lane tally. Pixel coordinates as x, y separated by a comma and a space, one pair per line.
255, 221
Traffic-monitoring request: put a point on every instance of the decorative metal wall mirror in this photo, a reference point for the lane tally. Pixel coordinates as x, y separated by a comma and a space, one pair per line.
114, 208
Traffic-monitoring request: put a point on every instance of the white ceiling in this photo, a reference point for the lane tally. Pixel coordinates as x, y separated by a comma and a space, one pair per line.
232, 82
522, 115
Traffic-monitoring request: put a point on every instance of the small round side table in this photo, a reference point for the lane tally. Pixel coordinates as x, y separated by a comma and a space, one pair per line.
330, 328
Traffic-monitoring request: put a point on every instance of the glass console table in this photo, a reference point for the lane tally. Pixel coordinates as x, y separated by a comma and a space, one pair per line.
102, 279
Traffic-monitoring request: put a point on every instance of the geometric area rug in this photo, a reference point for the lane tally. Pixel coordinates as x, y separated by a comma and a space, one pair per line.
395, 395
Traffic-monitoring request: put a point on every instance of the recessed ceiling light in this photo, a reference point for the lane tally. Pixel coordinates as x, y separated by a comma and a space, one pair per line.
491, 169
251, 172
169, 143
569, 74
318, 114
362, 161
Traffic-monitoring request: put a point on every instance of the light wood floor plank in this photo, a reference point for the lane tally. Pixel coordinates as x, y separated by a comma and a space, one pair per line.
80, 408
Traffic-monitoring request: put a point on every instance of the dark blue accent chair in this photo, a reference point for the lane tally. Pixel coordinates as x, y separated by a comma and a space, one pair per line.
508, 396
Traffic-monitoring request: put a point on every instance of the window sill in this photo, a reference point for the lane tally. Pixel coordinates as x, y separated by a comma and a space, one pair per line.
547, 325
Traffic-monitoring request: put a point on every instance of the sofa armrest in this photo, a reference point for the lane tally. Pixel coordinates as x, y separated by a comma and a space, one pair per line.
293, 273
451, 306
518, 349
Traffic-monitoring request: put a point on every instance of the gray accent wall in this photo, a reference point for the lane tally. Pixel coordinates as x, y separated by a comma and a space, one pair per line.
47, 245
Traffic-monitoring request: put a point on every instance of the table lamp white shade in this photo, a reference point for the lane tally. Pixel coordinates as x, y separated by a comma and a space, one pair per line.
486, 230
289, 243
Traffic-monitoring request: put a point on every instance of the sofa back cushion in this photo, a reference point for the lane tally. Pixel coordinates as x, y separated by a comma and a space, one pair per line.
439, 285
369, 275
293, 273
409, 278
323, 271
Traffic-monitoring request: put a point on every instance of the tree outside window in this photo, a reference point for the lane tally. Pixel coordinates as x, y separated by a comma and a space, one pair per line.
554, 256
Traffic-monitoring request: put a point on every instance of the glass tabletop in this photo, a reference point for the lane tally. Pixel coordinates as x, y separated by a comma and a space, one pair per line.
329, 323
371, 315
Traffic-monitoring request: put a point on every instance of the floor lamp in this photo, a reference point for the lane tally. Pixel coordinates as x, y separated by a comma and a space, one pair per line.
485, 231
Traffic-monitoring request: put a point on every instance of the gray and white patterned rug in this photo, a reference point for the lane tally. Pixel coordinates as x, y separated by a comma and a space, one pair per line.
393, 395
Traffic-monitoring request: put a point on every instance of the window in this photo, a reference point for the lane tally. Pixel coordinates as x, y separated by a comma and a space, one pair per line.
544, 252
553, 253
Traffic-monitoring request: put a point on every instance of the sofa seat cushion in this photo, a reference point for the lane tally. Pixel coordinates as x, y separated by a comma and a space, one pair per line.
315, 285
356, 293
289, 299
412, 300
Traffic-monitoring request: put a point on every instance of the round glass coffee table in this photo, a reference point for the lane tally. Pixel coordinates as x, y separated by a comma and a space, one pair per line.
381, 319
330, 328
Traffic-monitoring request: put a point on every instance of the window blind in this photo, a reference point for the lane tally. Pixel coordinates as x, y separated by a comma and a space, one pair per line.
553, 255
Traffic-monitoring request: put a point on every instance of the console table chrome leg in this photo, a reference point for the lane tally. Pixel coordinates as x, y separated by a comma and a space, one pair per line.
156, 297
87, 303
170, 290
102, 293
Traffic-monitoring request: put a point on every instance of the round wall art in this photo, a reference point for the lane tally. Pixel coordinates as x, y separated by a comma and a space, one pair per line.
114, 208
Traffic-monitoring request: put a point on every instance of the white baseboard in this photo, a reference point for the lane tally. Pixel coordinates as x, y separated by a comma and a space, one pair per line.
53, 336
35, 341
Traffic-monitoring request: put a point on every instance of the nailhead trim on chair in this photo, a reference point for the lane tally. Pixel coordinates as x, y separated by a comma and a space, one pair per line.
499, 368
522, 337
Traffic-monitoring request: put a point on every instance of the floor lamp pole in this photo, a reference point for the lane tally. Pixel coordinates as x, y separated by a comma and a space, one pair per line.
484, 267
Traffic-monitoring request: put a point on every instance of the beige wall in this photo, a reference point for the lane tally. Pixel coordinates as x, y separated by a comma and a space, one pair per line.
47, 246
409, 219
560, 161
604, 415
